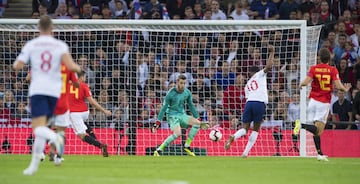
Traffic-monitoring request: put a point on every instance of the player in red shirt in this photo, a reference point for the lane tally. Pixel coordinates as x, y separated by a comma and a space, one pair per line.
62, 110
322, 77
79, 112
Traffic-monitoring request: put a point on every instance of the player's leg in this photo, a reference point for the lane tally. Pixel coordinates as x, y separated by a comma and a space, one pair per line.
252, 138
189, 120
258, 112
309, 125
320, 121
61, 122
174, 123
90, 130
193, 121
247, 118
77, 120
42, 108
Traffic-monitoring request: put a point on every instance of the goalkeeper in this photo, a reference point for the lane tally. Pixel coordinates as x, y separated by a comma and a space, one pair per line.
177, 118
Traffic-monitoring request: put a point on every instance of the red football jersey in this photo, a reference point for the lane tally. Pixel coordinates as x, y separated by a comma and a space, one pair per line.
63, 102
78, 96
323, 76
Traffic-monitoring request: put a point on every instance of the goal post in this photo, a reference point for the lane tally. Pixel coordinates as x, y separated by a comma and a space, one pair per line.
132, 63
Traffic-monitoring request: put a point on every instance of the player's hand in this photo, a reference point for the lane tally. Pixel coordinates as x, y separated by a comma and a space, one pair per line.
108, 113
347, 86
271, 48
155, 126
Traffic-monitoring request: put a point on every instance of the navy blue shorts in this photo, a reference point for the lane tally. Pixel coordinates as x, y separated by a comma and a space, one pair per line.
42, 105
254, 111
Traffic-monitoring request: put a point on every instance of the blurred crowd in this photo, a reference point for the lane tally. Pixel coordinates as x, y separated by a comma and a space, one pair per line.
216, 64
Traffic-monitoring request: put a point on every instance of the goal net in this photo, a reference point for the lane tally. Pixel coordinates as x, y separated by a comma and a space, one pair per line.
130, 66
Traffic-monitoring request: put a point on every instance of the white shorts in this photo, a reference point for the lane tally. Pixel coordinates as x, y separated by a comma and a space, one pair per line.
78, 121
63, 120
317, 111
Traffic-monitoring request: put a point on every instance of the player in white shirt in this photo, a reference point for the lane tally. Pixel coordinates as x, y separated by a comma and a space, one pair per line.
45, 54
256, 94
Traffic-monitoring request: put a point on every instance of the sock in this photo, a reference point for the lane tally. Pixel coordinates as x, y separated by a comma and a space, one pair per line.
92, 141
90, 131
310, 128
317, 144
193, 131
62, 134
41, 134
167, 141
251, 142
240, 133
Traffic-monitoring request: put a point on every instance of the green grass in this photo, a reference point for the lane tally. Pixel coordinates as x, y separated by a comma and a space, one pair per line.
182, 170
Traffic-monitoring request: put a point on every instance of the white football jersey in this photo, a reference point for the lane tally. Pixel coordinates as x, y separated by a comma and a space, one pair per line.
44, 54
256, 88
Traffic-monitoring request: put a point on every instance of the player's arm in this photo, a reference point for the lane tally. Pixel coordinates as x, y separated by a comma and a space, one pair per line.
305, 82
161, 114
192, 107
95, 104
163, 108
270, 61
22, 59
69, 63
343, 87
18, 65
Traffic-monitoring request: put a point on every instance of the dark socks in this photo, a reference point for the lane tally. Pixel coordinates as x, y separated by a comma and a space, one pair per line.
92, 141
317, 144
310, 128
90, 132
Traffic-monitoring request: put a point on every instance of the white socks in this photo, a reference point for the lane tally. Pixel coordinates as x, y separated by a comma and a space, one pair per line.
41, 135
250, 143
240, 133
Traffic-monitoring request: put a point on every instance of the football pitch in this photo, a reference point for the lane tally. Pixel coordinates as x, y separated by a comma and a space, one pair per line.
182, 170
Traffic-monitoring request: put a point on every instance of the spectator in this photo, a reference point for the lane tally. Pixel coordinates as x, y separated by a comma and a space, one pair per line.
234, 97
3, 6
21, 112
293, 110
4, 111
340, 47
240, 12
345, 72
349, 22
337, 7
314, 19
62, 12
264, 9
9, 101
49, 5
216, 13
350, 55
224, 78
342, 111
286, 8
118, 6
86, 12
356, 107
181, 69
307, 6
153, 7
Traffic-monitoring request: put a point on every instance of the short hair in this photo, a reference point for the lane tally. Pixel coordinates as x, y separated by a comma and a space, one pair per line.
324, 54
45, 23
181, 77
254, 69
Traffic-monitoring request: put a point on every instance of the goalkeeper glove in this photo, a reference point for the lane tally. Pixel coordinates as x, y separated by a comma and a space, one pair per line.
156, 125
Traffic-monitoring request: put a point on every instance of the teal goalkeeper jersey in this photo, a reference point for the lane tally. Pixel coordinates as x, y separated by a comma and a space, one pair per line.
174, 103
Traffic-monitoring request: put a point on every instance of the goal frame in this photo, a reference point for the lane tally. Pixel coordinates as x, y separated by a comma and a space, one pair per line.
138, 25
